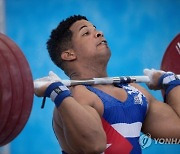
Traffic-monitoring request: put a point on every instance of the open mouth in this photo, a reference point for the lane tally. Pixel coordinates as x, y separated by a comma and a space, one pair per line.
103, 42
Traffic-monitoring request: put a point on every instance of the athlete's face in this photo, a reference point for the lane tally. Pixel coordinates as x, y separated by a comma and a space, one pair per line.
88, 43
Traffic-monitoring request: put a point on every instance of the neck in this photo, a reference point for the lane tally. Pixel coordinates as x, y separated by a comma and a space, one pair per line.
86, 75
88, 72
77, 70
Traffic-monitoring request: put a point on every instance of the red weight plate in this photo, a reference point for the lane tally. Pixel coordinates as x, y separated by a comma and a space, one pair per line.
17, 91
28, 88
171, 58
5, 92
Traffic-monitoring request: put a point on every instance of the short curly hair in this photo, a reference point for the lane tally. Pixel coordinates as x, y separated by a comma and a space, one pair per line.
60, 39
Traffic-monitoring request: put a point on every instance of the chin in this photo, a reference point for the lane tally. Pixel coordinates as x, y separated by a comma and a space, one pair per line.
105, 56
108, 53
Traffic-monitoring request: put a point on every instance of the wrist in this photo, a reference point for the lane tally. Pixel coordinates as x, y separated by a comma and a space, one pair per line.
57, 92
167, 82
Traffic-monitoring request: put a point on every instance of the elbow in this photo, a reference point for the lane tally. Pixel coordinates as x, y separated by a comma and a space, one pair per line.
96, 146
88, 142
97, 150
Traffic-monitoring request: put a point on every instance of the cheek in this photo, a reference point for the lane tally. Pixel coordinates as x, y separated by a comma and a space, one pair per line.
86, 48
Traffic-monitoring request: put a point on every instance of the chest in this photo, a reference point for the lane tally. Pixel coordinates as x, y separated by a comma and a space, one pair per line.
116, 93
119, 101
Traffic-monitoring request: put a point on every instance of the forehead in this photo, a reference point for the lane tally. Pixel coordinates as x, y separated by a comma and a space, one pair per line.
80, 23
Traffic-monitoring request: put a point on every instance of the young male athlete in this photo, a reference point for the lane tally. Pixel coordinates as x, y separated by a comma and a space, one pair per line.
103, 118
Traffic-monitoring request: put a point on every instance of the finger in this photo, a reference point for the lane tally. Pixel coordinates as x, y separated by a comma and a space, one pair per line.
38, 83
54, 76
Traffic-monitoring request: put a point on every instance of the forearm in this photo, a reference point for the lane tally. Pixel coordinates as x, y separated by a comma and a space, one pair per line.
173, 99
82, 127
169, 83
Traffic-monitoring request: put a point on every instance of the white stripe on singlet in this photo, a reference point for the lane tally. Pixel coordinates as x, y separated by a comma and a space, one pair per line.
128, 130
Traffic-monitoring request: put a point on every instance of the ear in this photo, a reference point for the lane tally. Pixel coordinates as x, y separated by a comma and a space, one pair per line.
68, 55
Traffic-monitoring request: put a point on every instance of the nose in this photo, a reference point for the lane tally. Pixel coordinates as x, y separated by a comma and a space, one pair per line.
99, 34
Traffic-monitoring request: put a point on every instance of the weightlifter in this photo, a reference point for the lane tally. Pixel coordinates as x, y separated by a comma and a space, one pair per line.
104, 118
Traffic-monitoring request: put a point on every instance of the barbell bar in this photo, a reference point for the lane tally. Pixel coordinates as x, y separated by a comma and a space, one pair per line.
95, 81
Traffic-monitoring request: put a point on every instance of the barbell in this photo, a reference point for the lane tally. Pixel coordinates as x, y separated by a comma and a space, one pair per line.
17, 89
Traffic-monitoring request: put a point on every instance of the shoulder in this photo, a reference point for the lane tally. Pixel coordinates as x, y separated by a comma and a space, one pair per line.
87, 98
145, 92
81, 94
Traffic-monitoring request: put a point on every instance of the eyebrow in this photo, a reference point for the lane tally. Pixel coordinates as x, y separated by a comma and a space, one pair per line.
82, 27
85, 26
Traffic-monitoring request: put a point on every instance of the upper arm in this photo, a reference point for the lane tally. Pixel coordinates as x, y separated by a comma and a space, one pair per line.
161, 120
